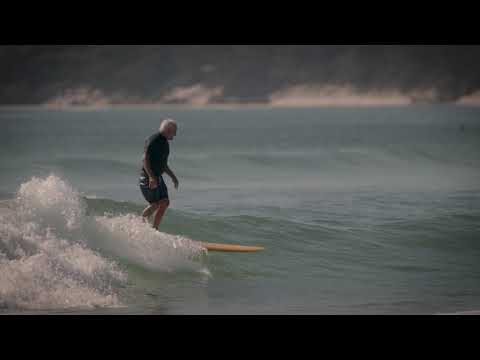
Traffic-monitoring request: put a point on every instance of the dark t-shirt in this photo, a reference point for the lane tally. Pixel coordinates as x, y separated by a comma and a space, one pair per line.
158, 150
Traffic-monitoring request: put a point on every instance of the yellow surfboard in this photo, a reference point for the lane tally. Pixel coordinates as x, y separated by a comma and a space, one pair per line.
231, 248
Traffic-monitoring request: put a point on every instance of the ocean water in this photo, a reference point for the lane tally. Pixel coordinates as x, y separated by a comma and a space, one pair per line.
360, 211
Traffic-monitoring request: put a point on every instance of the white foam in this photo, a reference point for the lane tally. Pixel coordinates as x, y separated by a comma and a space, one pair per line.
49, 255
44, 263
39, 270
39, 282
53, 200
129, 237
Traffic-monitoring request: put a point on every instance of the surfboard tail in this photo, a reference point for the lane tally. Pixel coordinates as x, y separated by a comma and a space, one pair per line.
231, 248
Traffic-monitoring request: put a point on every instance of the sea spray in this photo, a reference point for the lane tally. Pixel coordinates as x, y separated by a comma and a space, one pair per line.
54, 256
40, 267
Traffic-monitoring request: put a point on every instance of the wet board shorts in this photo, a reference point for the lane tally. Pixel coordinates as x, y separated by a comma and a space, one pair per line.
153, 195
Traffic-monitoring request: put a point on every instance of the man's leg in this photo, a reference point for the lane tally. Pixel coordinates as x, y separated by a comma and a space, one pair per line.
162, 207
149, 211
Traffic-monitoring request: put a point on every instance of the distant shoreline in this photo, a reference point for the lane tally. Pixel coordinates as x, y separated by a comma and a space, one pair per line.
40, 107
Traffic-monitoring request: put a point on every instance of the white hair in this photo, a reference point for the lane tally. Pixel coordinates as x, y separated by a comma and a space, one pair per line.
166, 124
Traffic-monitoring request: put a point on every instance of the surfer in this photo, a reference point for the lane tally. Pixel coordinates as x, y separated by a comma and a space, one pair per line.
155, 164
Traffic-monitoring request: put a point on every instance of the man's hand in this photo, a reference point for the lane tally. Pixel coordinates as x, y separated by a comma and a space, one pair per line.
175, 182
172, 176
153, 183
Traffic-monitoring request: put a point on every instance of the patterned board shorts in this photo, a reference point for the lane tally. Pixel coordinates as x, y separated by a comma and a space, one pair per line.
153, 196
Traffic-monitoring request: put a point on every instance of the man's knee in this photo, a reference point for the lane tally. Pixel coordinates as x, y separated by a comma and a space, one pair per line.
163, 204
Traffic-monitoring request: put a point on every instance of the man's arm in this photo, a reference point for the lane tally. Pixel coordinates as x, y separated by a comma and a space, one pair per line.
172, 175
153, 181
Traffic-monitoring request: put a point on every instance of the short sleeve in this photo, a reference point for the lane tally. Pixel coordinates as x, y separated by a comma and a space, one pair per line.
149, 146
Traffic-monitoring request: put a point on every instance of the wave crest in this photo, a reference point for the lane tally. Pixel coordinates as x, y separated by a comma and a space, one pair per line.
54, 256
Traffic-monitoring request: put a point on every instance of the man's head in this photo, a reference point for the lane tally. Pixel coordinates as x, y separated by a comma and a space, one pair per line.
168, 128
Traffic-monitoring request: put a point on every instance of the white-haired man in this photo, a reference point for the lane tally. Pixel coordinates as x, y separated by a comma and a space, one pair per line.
155, 164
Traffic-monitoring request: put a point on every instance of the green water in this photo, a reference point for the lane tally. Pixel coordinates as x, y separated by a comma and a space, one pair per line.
360, 210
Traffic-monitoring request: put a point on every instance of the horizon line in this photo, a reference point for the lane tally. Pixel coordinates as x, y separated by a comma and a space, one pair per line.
224, 106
